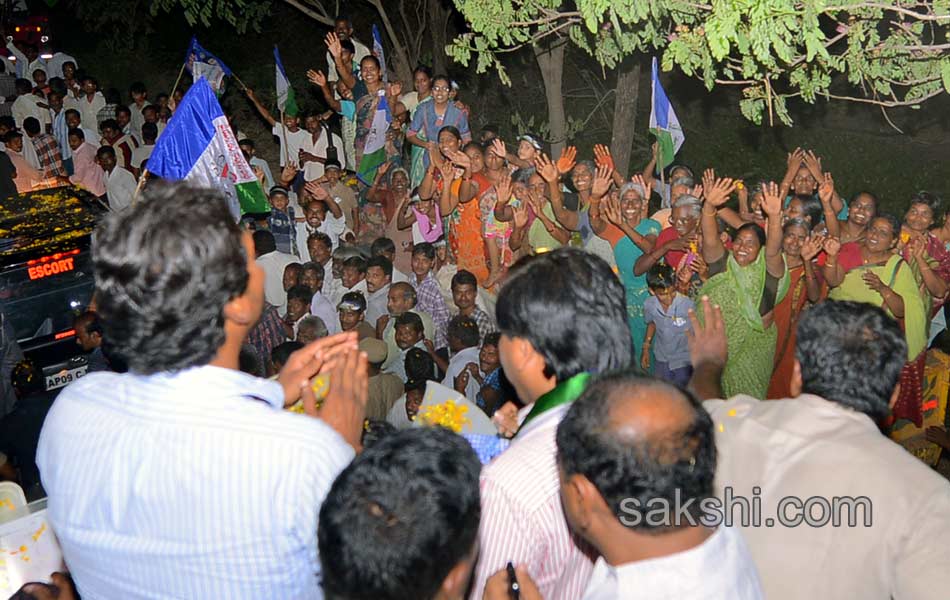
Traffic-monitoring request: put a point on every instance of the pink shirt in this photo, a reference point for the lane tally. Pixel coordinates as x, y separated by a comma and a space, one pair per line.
87, 173
522, 518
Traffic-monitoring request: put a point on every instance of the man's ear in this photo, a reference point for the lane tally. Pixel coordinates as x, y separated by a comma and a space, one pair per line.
795, 386
239, 311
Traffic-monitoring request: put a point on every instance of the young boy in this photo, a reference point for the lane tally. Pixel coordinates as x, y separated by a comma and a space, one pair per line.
280, 354
298, 307
281, 220
462, 368
352, 311
428, 292
666, 314
139, 95
247, 146
341, 193
409, 334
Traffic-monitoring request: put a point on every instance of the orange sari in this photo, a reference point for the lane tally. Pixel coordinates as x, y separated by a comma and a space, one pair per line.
786, 321
465, 233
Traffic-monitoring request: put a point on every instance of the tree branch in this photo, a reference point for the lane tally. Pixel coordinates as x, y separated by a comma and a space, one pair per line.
311, 10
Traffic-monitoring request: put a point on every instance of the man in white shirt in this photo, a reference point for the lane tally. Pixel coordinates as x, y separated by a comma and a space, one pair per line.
27, 105
74, 121
322, 214
54, 66
139, 95
91, 101
344, 31
386, 247
637, 459
402, 299
799, 456
378, 277
144, 151
27, 60
313, 153
320, 248
289, 134
273, 263
120, 184
563, 316
462, 334
135, 517
312, 275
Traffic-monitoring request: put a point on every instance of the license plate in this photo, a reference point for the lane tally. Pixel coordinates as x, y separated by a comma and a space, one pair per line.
64, 377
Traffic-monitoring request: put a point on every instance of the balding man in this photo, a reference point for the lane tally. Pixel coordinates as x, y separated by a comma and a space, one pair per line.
846, 512
631, 451
401, 299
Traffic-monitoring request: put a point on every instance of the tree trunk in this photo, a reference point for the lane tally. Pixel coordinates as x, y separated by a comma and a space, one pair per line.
625, 114
438, 18
551, 62
398, 58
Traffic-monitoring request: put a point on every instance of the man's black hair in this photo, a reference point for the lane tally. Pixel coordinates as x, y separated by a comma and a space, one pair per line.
491, 339
137, 87
281, 352
375, 431
31, 125
356, 298
355, 262
249, 362
410, 319
263, 242
349, 46
382, 262
851, 353
149, 131
23, 86
642, 463
8, 122
164, 269
425, 249
464, 277
66, 113
123, 109
464, 329
571, 307
246, 142
104, 151
400, 517
315, 267
320, 237
661, 277
109, 124
381, 245
11, 135
811, 209
112, 96
89, 320
420, 368
300, 292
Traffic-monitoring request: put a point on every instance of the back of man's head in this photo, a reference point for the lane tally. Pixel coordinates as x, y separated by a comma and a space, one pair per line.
851, 353
31, 126
570, 306
264, 242
639, 440
401, 517
165, 268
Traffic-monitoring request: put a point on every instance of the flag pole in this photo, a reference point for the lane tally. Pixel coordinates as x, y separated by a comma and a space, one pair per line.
177, 81
238, 79
139, 186
283, 137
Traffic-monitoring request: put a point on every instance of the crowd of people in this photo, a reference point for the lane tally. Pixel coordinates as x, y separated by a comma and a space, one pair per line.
610, 342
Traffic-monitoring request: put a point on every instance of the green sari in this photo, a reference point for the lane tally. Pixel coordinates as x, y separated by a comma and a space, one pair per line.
899, 276
417, 168
738, 291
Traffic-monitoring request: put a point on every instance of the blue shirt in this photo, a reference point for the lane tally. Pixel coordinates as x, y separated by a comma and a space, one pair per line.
187, 485
669, 341
283, 227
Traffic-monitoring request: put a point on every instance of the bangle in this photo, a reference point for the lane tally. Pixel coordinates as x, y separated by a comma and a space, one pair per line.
712, 214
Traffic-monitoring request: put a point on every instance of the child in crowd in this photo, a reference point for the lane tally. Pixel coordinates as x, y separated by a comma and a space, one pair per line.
423, 216
281, 220
666, 313
341, 193
352, 312
490, 365
409, 333
298, 307
461, 371
428, 293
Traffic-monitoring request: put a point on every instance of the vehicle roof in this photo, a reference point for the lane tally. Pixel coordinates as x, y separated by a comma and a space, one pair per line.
46, 221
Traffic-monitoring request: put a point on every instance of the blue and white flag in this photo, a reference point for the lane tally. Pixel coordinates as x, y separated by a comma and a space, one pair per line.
664, 124
198, 146
201, 63
374, 150
379, 53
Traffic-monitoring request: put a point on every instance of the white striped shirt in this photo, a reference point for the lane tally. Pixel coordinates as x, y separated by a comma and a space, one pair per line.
522, 518
187, 485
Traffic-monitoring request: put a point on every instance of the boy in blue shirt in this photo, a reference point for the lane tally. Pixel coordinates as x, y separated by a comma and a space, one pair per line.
666, 314
281, 220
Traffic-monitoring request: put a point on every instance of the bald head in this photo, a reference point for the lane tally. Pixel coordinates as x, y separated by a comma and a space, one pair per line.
640, 438
401, 299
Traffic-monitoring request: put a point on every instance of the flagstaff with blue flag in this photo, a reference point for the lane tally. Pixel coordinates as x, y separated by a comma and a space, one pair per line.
379, 53
664, 124
286, 100
198, 146
201, 63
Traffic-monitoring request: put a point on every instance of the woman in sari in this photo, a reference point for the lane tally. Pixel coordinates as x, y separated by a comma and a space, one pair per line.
377, 215
924, 252
804, 286
746, 283
368, 91
861, 209
422, 80
429, 120
620, 219
466, 238
872, 272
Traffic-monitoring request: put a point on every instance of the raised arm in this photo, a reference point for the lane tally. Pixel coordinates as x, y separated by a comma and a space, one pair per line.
372, 194
345, 71
550, 173
813, 164
602, 156
826, 193
833, 272
405, 216
715, 194
810, 250
503, 210
260, 107
772, 205
318, 192
318, 79
600, 186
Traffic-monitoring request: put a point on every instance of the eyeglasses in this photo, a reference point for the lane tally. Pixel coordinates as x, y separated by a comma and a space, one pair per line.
440, 88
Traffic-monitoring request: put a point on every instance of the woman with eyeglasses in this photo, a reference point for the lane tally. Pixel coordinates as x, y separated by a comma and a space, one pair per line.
432, 117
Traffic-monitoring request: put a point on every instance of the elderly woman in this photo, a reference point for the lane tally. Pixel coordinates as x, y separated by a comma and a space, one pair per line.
620, 220
746, 283
674, 243
872, 271
800, 248
378, 214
